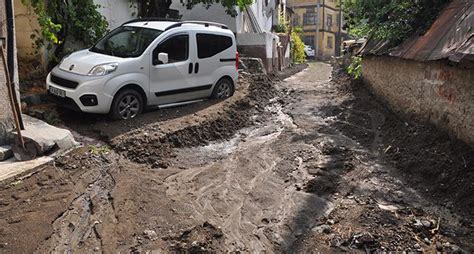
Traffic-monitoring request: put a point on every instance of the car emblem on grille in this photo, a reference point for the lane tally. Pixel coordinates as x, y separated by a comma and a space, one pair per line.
72, 67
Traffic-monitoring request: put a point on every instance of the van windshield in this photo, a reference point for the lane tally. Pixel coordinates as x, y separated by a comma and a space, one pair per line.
126, 41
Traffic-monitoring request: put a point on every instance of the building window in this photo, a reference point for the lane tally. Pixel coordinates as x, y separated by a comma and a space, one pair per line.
329, 42
309, 19
329, 22
309, 40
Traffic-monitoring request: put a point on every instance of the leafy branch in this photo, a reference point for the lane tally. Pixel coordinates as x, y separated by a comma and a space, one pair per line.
66, 25
161, 8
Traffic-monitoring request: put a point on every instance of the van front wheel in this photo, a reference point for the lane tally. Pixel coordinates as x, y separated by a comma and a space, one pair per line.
127, 104
223, 89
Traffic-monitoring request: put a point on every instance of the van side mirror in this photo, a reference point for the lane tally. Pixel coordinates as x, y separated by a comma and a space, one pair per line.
163, 58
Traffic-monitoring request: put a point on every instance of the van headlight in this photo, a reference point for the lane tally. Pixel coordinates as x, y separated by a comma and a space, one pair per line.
103, 69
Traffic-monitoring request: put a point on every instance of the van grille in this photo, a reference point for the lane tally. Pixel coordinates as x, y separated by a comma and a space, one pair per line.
64, 82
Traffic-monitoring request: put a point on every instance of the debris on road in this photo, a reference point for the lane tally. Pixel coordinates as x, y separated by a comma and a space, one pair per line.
203, 238
294, 166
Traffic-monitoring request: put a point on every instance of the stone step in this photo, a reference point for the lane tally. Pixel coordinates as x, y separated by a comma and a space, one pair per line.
5, 153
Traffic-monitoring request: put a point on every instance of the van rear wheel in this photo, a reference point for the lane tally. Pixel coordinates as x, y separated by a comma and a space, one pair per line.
223, 89
127, 104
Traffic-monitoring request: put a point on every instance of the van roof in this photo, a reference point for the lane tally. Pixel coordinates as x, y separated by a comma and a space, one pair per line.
166, 25
158, 25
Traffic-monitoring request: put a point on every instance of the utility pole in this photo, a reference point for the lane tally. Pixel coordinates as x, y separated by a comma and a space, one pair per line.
316, 50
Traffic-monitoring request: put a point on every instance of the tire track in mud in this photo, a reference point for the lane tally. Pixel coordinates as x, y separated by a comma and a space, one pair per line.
253, 192
79, 227
231, 188
249, 187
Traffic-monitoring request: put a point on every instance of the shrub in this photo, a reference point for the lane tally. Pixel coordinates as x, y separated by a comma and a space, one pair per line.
388, 19
297, 48
355, 69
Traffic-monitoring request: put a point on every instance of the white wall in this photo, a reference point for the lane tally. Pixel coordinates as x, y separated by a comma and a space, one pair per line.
215, 13
264, 13
250, 39
116, 12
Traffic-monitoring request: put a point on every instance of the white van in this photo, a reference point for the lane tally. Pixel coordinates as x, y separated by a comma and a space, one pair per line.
148, 63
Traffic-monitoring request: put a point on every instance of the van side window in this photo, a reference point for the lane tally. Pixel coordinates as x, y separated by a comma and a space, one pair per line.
210, 44
176, 47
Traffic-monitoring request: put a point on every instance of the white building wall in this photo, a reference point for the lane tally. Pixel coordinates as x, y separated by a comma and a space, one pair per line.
264, 13
116, 12
215, 13
253, 39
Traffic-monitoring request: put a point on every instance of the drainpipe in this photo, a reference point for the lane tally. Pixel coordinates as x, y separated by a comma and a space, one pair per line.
11, 55
318, 17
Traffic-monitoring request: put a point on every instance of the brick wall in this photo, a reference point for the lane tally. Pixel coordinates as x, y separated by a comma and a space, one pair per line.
439, 92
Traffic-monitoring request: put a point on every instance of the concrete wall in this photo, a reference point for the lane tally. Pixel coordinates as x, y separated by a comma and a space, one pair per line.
5, 110
262, 45
25, 18
433, 91
263, 13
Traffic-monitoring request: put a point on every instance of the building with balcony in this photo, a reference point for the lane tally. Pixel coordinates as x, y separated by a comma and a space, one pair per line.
323, 25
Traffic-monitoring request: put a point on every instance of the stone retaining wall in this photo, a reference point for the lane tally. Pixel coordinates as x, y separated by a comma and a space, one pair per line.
437, 91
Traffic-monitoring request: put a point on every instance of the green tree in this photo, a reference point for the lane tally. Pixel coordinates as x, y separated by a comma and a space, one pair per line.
161, 8
392, 20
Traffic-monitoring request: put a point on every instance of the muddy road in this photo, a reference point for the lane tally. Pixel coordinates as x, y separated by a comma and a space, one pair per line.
310, 164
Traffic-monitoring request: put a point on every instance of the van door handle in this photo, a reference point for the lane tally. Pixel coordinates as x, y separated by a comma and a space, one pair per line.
190, 68
196, 69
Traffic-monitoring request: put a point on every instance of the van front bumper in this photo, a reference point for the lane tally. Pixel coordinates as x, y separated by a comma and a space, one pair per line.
81, 92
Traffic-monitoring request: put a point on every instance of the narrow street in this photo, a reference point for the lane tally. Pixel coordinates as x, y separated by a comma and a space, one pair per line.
320, 167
